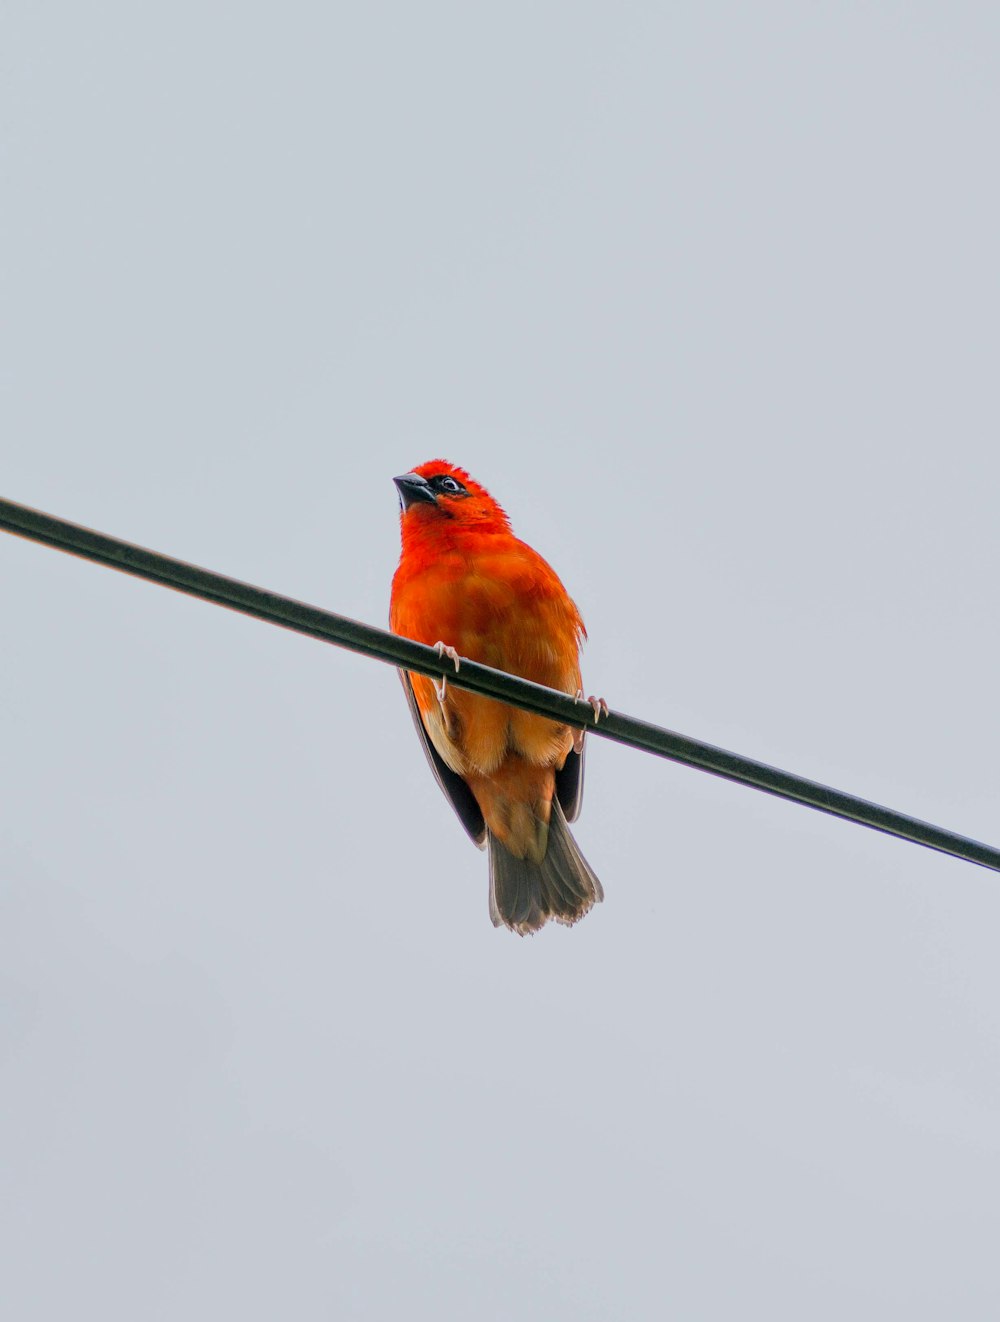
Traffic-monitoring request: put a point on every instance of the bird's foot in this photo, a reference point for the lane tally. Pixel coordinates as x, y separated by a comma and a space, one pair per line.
443, 650
600, 709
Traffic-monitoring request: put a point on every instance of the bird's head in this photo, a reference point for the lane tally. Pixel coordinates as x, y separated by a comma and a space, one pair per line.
439, 496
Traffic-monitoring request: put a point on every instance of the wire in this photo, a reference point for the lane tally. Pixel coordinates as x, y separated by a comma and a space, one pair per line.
357, 637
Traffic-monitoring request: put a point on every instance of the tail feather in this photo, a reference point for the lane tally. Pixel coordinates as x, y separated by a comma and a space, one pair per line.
524, 895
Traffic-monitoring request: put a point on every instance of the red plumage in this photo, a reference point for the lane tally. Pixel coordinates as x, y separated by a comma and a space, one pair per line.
464, 580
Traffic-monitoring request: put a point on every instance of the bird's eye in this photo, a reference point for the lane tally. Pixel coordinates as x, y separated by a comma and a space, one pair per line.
450, 485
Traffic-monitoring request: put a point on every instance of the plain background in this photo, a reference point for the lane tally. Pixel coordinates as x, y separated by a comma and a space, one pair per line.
707, 294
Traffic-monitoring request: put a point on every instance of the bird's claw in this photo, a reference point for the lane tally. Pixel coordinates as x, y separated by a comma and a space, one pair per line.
600, 708
443, 650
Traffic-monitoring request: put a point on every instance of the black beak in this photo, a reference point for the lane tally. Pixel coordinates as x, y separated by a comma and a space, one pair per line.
412, 489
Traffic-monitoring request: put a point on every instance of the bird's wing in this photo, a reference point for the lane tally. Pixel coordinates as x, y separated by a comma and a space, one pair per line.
461, 797
569, 784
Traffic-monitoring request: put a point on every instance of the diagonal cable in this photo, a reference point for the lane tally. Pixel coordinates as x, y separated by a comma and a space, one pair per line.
363, 638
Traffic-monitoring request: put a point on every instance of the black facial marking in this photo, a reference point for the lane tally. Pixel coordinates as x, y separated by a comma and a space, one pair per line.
447, 485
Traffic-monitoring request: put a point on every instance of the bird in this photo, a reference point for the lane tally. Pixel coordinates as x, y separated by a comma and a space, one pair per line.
468, 587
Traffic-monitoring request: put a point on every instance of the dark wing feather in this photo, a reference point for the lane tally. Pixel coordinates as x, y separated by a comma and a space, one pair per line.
569, 784
461, 797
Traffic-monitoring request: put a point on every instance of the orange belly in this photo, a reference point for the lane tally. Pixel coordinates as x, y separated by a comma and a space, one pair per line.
503, 612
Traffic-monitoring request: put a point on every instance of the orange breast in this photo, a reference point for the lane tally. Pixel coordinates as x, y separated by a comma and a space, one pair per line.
504, 607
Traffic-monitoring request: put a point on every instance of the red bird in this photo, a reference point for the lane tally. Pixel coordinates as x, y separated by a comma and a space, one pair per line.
466, 585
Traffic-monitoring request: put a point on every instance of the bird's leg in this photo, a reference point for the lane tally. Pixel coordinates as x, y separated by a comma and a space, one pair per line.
600, 709
444, 650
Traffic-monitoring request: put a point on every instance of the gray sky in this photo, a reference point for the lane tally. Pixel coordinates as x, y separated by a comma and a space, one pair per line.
708, 296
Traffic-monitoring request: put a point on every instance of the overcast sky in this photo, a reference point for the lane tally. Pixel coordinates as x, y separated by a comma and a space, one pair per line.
707, 295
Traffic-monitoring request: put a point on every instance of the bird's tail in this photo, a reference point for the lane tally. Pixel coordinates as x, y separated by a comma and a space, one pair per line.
524, 895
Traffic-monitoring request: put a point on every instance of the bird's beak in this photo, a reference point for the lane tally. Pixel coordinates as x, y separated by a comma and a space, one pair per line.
412, 489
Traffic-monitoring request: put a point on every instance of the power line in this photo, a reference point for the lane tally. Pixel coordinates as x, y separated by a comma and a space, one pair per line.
330, 628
